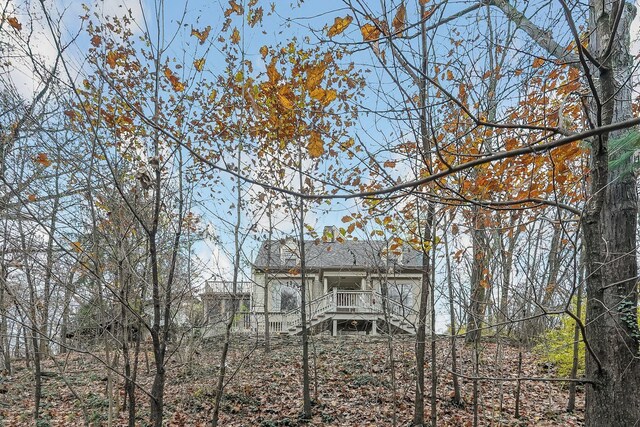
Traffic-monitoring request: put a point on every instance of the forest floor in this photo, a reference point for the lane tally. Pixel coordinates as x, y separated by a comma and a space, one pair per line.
353, 386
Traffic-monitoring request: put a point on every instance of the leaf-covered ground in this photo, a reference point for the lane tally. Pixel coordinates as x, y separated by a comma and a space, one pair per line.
353, 386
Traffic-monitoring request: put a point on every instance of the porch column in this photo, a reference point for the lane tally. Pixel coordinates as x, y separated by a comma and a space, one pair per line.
363, 283
374, 327
335, 328
326, 285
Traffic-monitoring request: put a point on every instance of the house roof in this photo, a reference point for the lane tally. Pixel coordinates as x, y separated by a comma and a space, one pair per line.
348, 255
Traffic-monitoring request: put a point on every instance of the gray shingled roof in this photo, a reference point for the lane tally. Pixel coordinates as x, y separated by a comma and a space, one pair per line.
335, 255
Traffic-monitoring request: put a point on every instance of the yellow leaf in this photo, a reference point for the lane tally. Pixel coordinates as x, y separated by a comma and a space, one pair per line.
329, 96
285, 96
76, 246
234, 7
15, 24
199, 64
399, 20
347, 144
212, 96
43, 160
316, 146
315, 76
369, 32
538, 62
201, 35
339, 25
324, 96
235, 36
264, 50
273, 74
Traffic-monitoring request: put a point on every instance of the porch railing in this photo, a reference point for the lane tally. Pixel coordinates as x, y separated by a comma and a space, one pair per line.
369, 302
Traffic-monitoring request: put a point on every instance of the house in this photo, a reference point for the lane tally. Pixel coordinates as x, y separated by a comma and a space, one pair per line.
351, 286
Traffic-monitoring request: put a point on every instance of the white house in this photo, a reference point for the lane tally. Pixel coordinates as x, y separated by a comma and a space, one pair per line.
351, 286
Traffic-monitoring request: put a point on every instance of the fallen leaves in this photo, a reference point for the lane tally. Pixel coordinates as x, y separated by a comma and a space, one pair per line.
353, 387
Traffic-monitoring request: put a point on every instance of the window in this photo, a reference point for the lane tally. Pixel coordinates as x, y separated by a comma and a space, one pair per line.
289, 253
401, 293
286, 296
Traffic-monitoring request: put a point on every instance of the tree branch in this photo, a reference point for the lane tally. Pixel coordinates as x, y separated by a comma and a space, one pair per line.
543, 38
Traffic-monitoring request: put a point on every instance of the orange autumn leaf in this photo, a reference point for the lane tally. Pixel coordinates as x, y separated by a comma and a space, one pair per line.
538, 62
31, 197
315, 76
234, 7
399, 20
285, 97
264, 50
272, 73
389, 164
235, 36
323, 95
199, 64
43, 159
112, 59
370, 32
96, 40
449, 75
76, 247
339, 25
15, 24
462, 88
177, 85
201, 35
316, 146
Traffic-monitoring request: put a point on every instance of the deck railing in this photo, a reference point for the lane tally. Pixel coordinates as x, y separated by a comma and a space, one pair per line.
365, 302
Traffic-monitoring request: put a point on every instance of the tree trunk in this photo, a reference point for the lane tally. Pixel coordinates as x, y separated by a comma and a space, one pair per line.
479, 282
610, 237
576, 347
456, 399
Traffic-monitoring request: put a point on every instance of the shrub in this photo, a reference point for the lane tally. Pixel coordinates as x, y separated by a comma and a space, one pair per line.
555, 346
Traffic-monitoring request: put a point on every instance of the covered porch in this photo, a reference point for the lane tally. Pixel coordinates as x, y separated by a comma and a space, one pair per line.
341, 309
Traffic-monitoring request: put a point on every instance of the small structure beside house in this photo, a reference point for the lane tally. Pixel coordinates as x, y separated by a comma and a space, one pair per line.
351, 286
217, 300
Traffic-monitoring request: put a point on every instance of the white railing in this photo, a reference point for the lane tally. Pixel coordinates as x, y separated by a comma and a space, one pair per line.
369, 302
395, 308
